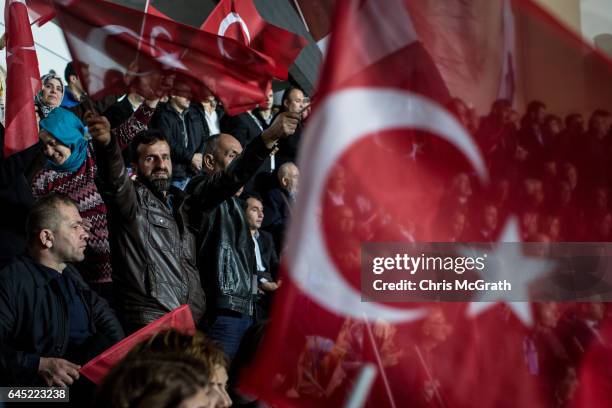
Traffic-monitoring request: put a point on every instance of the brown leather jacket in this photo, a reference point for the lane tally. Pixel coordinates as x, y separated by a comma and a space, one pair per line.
153, 246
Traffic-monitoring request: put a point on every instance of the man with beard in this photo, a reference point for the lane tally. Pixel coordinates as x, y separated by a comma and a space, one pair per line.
152, 243
152, 224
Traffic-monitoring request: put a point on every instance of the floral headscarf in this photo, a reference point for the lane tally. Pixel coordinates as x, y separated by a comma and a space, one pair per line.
43, 108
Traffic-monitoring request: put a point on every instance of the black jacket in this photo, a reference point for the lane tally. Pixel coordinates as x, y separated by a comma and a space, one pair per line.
277, 213
153, 246
34, 318
269, 257
174, 125
226, 258
201, 115
16, 197
119, 112
243, 127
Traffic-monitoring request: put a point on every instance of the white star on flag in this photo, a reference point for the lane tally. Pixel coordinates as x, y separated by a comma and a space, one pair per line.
511, 264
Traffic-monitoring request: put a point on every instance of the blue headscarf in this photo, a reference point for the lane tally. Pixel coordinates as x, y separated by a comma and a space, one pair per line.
66, 127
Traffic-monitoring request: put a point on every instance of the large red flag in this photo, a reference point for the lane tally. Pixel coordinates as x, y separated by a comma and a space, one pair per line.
239, 19
22, 81
41, 11
388, 156
112, 56
179, 319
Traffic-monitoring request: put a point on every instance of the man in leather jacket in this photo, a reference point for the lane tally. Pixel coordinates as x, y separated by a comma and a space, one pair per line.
152, 225
226, 258
50, 320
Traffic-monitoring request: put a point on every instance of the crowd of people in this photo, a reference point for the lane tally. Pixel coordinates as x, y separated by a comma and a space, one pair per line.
129, 208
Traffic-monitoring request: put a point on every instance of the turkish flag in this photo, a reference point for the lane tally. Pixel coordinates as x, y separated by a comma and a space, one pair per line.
22, 81
390, 156
239, 19
117, 49
40, 11
317, 16
152, 10
179, 319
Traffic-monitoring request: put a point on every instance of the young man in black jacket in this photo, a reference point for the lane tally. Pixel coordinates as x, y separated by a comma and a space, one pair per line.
50, 321
185, 132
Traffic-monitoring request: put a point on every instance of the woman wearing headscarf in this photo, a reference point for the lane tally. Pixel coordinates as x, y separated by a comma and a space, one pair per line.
71, 171
50, 96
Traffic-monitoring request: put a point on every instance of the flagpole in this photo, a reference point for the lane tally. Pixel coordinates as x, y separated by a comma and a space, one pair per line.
297, 6
142, 26
429, 375
379, 362
362, 388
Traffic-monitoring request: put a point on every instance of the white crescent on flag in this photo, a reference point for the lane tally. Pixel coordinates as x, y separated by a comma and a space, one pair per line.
328, 136
232, 18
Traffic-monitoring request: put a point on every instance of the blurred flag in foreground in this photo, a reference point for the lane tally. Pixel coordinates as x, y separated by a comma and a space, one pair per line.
417, 136
117, 49
22, 80
179, 319
240, 20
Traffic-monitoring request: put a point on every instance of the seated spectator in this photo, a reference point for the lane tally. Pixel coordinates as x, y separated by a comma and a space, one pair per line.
181, 124
265, 256
50, 96
71, 170
279, 203
50, 321
151, 238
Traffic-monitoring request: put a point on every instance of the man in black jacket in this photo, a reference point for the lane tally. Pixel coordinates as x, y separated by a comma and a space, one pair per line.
50, 321
226, 259
183, 127
265, 257
152, 225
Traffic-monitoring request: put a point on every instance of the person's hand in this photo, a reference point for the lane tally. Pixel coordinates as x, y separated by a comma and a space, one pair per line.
57, 371
284, 125
196, 162
152, 103
269, 286
99, 128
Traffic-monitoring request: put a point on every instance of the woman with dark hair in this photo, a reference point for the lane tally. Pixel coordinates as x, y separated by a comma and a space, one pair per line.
201, 348
156, 380
71, 170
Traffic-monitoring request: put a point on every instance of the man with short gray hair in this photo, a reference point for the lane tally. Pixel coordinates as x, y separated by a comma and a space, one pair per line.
278, 204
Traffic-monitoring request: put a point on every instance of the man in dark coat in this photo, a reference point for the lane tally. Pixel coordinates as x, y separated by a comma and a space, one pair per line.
50, 320
183, 127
